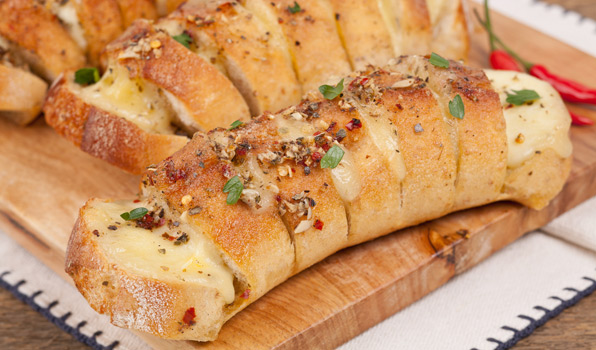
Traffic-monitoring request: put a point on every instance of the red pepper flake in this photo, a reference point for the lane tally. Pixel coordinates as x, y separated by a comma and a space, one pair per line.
168, 237
354, 124
278, 198
363, 81
326, 147
161, 222
147, 222
316, 156
95, 232
226, 170
136, 201
318, 224
189, 316
174, 174
241, 151
246, 294
317, 133
331, 127
399, 106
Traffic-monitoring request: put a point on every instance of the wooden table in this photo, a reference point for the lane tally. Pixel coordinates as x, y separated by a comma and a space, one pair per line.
575, 328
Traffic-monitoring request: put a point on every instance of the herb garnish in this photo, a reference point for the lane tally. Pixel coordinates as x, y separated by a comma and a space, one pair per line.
456, 107
86, 76
331, 92
438, 61
183, 39
519, 97
332, 158
235, 124
234, 189
134, 214
294, 9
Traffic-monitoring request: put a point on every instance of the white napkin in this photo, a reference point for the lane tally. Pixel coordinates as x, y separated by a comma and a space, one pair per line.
577, 226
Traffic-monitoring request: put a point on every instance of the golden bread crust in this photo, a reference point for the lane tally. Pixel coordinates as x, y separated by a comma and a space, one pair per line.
46, 45
21, 94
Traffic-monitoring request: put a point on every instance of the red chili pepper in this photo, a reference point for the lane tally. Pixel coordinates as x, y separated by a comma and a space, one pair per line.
569, 92
500, 59
577, 119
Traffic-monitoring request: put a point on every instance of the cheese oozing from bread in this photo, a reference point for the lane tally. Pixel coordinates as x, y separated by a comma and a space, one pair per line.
135, 100
159, 253
67, 13
532, 127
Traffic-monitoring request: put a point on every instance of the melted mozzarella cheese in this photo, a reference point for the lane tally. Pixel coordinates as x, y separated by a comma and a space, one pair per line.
147, 253
532, 127
67, 14
136, 100
346, 179
384, 135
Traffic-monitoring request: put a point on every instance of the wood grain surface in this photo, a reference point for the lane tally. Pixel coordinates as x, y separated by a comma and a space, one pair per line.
22, 328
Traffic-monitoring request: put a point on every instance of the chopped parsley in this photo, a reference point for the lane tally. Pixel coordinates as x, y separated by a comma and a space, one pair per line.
235, 125
519, 97
86, 76
294, 9
134, 214
456, 107
234, 189
438, 61
183, 39
331, 92
332, 158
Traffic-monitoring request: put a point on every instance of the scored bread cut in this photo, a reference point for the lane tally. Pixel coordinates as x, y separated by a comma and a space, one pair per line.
236, 212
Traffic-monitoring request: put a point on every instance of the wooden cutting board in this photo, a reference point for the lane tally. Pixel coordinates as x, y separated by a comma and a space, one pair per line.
44, 180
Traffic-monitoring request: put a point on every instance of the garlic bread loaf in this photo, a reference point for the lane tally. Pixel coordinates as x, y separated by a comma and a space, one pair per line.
236, 59
237, 211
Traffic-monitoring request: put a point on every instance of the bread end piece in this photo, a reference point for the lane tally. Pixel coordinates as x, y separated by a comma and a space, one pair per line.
21, 95
167, 308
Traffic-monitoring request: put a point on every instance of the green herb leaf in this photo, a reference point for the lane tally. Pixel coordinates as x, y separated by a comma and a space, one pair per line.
86, 76
519, 97
331, 92
234, 189
456, 107
235, 124
183, 39
332, 158
438, 61
294, 9
134, 214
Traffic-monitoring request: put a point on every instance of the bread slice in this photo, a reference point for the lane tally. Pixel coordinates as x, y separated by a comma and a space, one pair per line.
255, 60
39, 38
132, 10
312, 38
116, 124
21, 94
450, 28
201, 96
363, 32
298, 201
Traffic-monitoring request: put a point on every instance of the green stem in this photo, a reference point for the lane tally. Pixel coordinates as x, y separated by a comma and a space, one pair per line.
489, 27
496, 39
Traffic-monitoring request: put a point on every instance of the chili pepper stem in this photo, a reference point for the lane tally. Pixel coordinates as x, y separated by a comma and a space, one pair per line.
489, 27
527, 65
